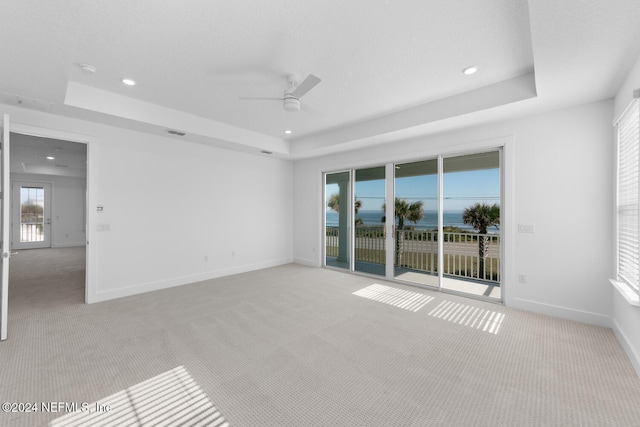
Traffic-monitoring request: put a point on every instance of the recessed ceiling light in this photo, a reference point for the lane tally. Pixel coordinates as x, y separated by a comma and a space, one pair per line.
129, 82
288, 132
470, 70
50, 158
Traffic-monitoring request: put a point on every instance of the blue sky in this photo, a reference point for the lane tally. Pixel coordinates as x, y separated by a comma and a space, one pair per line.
31, 196
461, 189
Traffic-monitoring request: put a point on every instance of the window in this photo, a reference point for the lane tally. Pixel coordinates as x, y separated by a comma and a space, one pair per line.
628, 209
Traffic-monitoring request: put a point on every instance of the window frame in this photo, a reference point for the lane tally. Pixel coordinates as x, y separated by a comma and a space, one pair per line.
627, 200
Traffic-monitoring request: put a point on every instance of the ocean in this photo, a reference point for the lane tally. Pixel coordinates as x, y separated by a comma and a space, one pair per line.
428, 222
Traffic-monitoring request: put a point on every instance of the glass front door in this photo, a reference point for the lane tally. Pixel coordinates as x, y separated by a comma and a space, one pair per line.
32, 213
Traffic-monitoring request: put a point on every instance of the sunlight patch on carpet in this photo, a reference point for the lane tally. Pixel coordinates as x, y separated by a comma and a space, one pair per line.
412, 301
171, 398
467, 315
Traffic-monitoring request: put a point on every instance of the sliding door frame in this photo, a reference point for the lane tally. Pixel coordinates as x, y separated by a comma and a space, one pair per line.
389, 226
349, 219
504, 146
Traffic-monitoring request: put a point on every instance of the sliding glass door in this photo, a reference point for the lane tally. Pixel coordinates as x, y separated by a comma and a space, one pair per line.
369, 234
337, 219
416, 222
432, 222
471, 223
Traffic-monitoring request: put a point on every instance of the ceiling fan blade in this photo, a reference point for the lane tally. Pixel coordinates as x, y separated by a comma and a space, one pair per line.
307, 84
259, 98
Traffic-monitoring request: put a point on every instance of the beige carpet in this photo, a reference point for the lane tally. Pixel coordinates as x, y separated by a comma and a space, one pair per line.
294, 346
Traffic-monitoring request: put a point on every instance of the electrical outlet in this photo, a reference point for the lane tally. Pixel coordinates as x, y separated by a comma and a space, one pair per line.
522, 278
525, 228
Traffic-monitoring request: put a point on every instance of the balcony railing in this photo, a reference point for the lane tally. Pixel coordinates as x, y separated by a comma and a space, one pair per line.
417, 250
332, 241
30, 232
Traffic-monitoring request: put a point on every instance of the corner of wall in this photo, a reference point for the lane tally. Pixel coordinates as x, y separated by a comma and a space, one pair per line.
97, 296
627, 345
307, 262
568, 313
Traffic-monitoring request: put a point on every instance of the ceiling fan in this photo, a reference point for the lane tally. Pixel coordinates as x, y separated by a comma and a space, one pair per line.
292, 94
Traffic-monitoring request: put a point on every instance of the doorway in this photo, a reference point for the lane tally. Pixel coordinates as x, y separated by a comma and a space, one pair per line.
432, 222
48, 217
34, 154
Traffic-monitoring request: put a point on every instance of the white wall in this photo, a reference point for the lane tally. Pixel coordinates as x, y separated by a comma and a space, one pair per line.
67, 208
169, 204
561, 178
626, 318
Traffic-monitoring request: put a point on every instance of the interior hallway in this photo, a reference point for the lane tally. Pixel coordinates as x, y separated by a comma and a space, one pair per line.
45, 279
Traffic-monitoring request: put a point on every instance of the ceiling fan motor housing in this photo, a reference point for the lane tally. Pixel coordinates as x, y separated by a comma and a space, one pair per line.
291, 103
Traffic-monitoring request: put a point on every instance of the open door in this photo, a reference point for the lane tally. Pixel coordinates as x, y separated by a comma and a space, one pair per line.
5, 227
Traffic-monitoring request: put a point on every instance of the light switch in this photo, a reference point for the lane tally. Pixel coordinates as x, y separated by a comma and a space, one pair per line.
525, 228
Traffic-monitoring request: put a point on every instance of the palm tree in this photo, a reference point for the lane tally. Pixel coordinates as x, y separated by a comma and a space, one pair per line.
405, 211
482, 216
334, 204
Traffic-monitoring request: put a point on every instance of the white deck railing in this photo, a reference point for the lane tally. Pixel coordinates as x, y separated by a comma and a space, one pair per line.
31, 232
418, 250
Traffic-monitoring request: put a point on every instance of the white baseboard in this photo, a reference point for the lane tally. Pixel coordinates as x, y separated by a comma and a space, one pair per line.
68, 244
562, 312
307, 262
94, 297
632, 354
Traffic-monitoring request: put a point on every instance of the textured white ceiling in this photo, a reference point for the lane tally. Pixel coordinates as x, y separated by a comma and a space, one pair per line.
387, 67
29, 155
